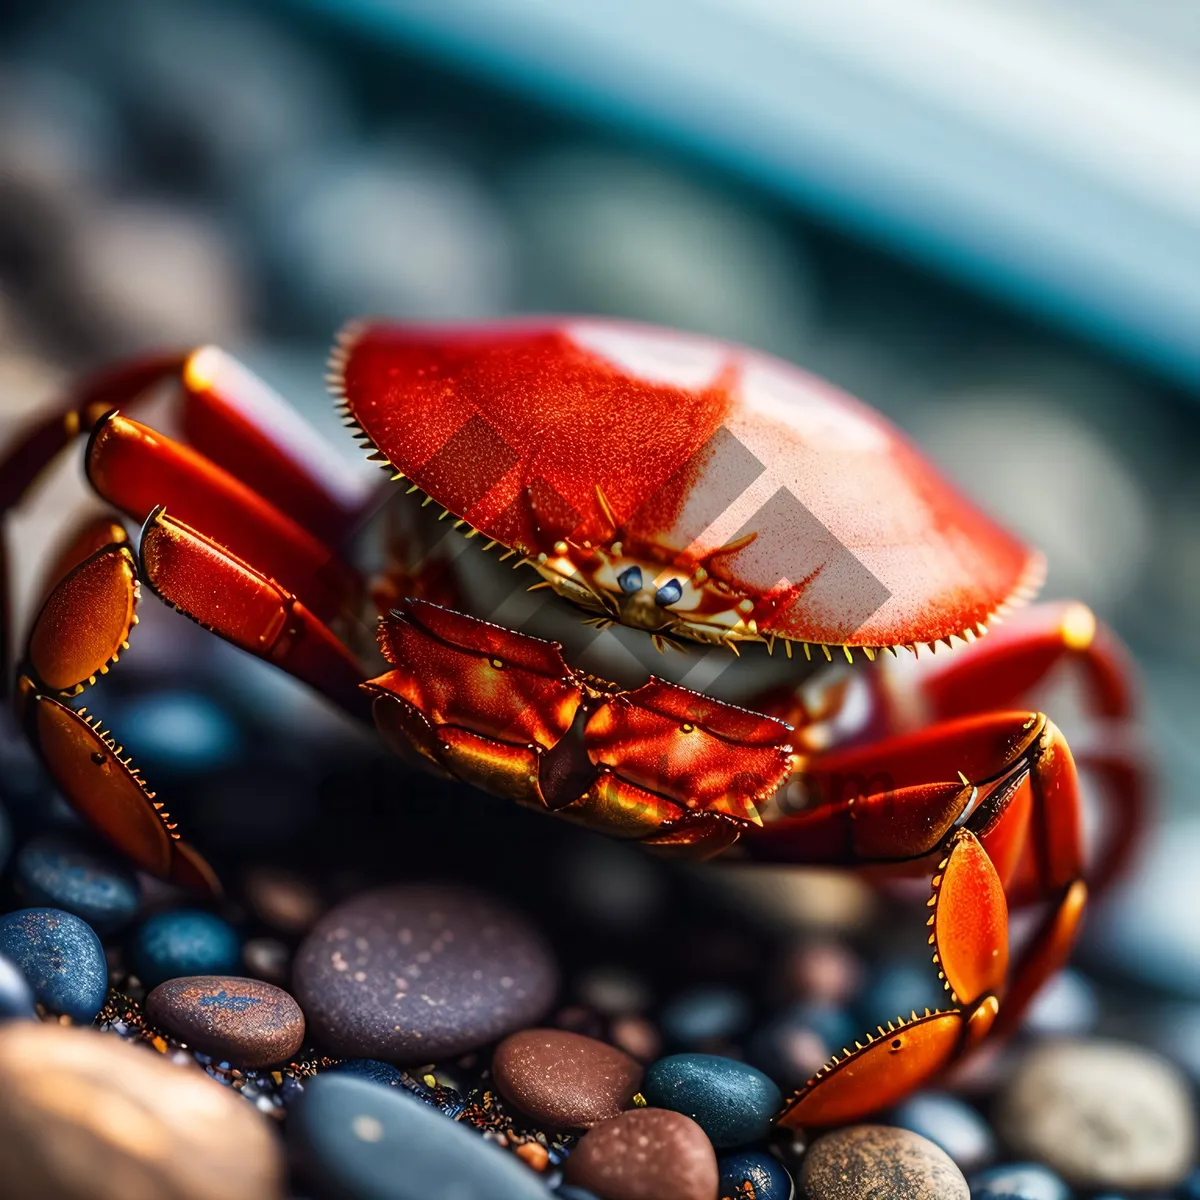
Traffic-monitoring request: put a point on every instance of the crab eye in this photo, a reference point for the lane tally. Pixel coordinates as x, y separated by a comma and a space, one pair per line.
630, 580
669, 593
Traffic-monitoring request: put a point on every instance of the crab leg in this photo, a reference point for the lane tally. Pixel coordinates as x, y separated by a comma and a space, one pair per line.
962, 799
1001, 670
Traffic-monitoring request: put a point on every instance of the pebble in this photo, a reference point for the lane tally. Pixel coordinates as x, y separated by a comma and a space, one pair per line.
240, 1021
181, 732
731, 1101
1103, 1114
1018, 1181
567, 1192
645, 1154
704, 1015
371, 1069
753, 1175
59, 871
282, 899
60, 956
355, 1140
863, 1162
794, 1044
16, 996
1066, 1006
563, 1079
182, 942
948, 1122
413, 973
267, 959
84, 1116
824, 972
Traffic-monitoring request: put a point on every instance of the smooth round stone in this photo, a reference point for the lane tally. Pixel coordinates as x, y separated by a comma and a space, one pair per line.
86, 1116
16, 996
645, 1154
948, 1122
417, 972
731, 1101
1018, 1181
704, 1015
763, 1172
863, 1162
181, 732
244, 1022
184, 942
564, 1079
57, 871
354, 1140
1103, 1114
371, 1069
61, 958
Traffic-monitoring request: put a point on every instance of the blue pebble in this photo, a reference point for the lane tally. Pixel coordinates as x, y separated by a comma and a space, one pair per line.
898, 989
948, 1122
731, 1101
567, 1192
182, 942
61, 959
180, 731
704, 1014
16, 997
372, 1069
1189, 1189
355, 1140
1018, 1181
59, 871
764, 1172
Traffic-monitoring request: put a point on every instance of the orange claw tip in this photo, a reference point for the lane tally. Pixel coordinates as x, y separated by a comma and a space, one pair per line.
514, 427
877, 1075
970, 924
85, 621
102, 787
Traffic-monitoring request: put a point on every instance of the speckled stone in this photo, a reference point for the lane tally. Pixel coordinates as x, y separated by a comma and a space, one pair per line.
16, 996
731, 1101
354, 1140
61, 872
864, 1162
413, 973
85, 1116
185, 941
564, 1079
753, 1175
60, 956
244, 1022
1103, 1114
645, 1154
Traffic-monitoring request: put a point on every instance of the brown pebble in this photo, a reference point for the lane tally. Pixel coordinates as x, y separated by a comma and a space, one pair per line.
86, 1116
244, 1022
645, 1154
864, 1162
284, 900
636, 1036
564, 1079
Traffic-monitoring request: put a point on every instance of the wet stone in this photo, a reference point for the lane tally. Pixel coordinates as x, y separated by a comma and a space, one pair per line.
862, 1162
84, 1116
1103, 1114
16, 996
184, 942
61, 958
372, 1070
352, 1139
61, 872
1018, 1181
415, 973
563, 1079
645, 1154
240, 1021
731, 1101
948, 1122
753, 1175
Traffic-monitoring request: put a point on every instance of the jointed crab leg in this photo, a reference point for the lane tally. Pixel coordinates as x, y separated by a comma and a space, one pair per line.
987, 803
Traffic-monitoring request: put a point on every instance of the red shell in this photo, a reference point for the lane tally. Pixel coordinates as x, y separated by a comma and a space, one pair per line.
695, 443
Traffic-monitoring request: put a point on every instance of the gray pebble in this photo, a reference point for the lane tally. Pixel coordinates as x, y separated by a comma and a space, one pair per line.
355, 1140
1103, 1114
413, 973
865, 1162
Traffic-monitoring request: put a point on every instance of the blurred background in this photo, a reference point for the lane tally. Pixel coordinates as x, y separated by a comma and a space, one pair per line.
982, 218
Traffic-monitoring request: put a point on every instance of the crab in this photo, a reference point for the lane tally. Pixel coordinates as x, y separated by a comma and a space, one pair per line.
740, 576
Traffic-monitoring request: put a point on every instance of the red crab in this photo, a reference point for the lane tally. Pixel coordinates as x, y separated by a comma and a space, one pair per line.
664, 490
